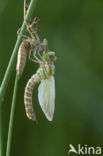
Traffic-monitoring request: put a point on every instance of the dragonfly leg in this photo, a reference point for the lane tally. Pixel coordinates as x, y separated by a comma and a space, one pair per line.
18, 33
36, 56
36, 60
36, 35
31, 34
40, 54
43, 48
33, 37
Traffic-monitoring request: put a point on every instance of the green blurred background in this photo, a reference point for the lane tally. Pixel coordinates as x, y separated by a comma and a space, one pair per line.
74, 29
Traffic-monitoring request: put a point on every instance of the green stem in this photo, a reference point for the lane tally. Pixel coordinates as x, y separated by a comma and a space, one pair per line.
11, 67
14, 54
1, 143
12, 117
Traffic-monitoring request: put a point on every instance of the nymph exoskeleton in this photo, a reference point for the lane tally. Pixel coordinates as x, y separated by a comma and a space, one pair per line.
29, 44
46, 90
26, 46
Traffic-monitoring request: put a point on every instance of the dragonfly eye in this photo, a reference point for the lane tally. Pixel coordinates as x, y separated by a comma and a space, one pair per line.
52, 57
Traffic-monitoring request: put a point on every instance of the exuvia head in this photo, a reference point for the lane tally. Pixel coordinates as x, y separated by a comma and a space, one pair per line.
33, 23
50, 56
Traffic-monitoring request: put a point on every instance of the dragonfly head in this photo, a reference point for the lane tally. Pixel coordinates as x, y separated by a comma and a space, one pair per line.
50, 56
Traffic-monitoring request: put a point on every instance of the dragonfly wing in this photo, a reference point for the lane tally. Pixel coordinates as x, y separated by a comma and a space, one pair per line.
46, 96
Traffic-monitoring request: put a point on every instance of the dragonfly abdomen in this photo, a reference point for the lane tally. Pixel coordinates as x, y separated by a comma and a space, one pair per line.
21, 58
28, 96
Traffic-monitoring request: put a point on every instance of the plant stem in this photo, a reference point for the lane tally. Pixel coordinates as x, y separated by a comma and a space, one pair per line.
14, 54
9, 72
1, 143
12, 117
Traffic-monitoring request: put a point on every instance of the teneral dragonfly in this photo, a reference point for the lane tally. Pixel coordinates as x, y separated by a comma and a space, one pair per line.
46, 89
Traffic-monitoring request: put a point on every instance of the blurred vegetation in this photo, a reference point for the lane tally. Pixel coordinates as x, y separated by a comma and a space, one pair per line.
74, 30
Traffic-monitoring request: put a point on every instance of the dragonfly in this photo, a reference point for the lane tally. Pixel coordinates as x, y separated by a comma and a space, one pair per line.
44, 74
46, 89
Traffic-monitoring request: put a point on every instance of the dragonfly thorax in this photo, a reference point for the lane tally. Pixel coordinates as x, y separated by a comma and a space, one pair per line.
34, 43
46, 70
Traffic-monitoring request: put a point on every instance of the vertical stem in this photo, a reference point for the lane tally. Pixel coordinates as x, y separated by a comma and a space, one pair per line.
7, 78
14, 54
1, 143
24, 7
12, 117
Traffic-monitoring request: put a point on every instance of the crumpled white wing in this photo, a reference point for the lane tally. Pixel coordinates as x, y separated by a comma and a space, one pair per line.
46, 96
